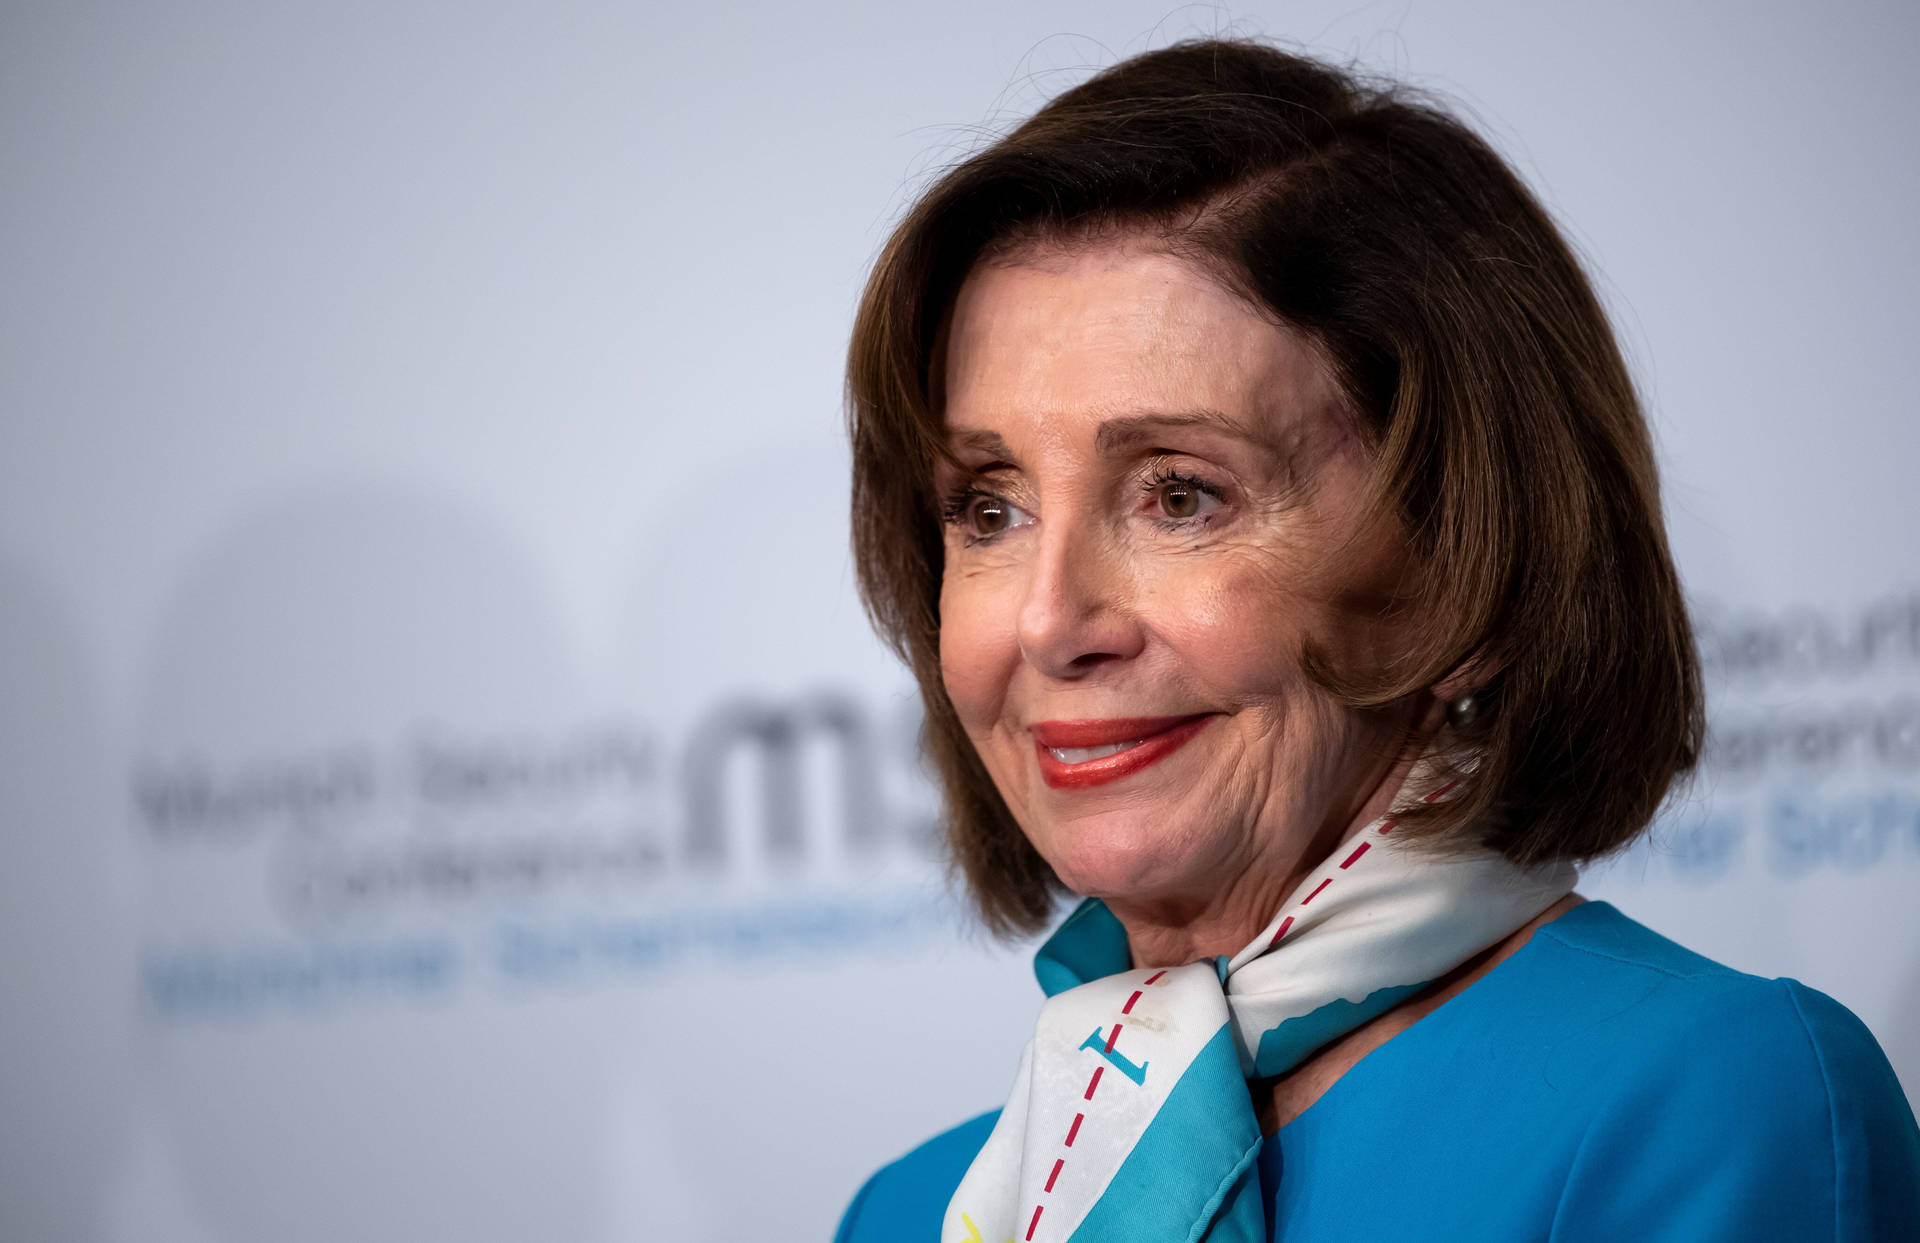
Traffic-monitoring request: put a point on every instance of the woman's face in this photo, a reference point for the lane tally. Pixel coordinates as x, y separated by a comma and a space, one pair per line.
1162, 504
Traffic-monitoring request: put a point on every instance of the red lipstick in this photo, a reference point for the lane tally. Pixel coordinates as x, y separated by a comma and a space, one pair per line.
1156, 737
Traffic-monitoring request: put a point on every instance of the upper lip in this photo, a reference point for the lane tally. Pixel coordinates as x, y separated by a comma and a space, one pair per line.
1105, 732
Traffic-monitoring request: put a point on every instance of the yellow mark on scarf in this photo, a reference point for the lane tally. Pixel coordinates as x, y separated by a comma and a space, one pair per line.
973, 1231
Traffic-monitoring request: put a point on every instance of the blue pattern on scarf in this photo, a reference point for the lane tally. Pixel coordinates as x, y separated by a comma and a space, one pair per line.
1170, 1186
1286, 1046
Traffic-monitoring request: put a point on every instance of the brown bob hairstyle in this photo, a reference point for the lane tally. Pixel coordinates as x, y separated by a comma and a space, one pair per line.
1503, 427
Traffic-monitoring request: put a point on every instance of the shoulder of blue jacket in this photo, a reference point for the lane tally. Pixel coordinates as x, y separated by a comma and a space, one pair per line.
905, 1199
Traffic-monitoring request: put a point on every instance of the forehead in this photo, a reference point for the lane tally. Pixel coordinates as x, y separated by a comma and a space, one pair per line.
1056, 338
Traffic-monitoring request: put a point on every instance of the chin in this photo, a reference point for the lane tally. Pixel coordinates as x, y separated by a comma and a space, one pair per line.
1127, 855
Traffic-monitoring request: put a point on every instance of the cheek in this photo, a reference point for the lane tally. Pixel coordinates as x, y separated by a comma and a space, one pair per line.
1238, 622
1241, 630
978, 646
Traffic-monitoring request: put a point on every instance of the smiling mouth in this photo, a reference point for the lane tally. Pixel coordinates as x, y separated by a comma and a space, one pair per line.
1077, 754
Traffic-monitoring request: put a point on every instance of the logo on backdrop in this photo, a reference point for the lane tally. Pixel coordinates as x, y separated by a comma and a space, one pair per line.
787, 783
773, 828
1813, 745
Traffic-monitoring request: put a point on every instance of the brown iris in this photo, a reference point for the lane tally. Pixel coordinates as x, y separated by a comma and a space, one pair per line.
1179, 500
989, 515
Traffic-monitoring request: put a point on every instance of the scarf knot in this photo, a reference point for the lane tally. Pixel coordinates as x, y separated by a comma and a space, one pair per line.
1130, 1119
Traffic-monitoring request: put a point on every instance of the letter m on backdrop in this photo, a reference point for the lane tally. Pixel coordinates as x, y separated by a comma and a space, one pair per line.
777, 738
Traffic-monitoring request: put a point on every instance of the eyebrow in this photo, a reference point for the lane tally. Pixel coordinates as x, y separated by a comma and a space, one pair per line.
1129, 431
981, 442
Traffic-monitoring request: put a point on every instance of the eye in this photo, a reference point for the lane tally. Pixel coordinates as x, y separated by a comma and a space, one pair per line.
1179, 500
1182, 498
982, 515
988, 515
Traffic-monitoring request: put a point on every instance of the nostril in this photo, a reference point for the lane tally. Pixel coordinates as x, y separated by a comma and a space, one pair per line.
1075, 616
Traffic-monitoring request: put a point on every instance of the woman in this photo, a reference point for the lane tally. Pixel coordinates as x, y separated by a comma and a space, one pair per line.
1249, 475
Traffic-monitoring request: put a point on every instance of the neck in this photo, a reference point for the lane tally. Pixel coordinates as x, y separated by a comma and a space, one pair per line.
1170, 931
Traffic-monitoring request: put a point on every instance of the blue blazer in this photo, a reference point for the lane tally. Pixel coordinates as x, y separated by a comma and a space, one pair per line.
1601, 1084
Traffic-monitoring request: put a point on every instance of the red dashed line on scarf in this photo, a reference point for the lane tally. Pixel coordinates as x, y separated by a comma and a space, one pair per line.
1385, 828
1073, 1131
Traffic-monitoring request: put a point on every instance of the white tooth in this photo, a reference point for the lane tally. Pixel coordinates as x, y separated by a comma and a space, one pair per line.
1080, 755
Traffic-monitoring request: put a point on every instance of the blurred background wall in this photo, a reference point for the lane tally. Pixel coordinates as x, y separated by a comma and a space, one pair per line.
447, 786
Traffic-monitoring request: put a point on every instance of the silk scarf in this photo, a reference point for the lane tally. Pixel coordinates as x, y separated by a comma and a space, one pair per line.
1130, 1119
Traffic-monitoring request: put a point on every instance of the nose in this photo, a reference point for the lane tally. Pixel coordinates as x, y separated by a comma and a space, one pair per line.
1078, 612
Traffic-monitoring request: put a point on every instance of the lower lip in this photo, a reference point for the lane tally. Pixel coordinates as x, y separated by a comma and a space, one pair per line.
1113, 767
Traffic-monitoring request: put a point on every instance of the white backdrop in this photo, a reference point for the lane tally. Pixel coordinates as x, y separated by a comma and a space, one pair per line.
448, 788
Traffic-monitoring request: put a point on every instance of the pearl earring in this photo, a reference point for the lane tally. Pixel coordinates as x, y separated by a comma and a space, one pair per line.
1462, 710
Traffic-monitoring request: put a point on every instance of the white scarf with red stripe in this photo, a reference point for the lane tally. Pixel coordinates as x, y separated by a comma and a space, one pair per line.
1130, 1119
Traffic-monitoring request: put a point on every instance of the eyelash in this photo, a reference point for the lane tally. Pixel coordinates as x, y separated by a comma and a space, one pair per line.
1166, 475
953, 511
954, 508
